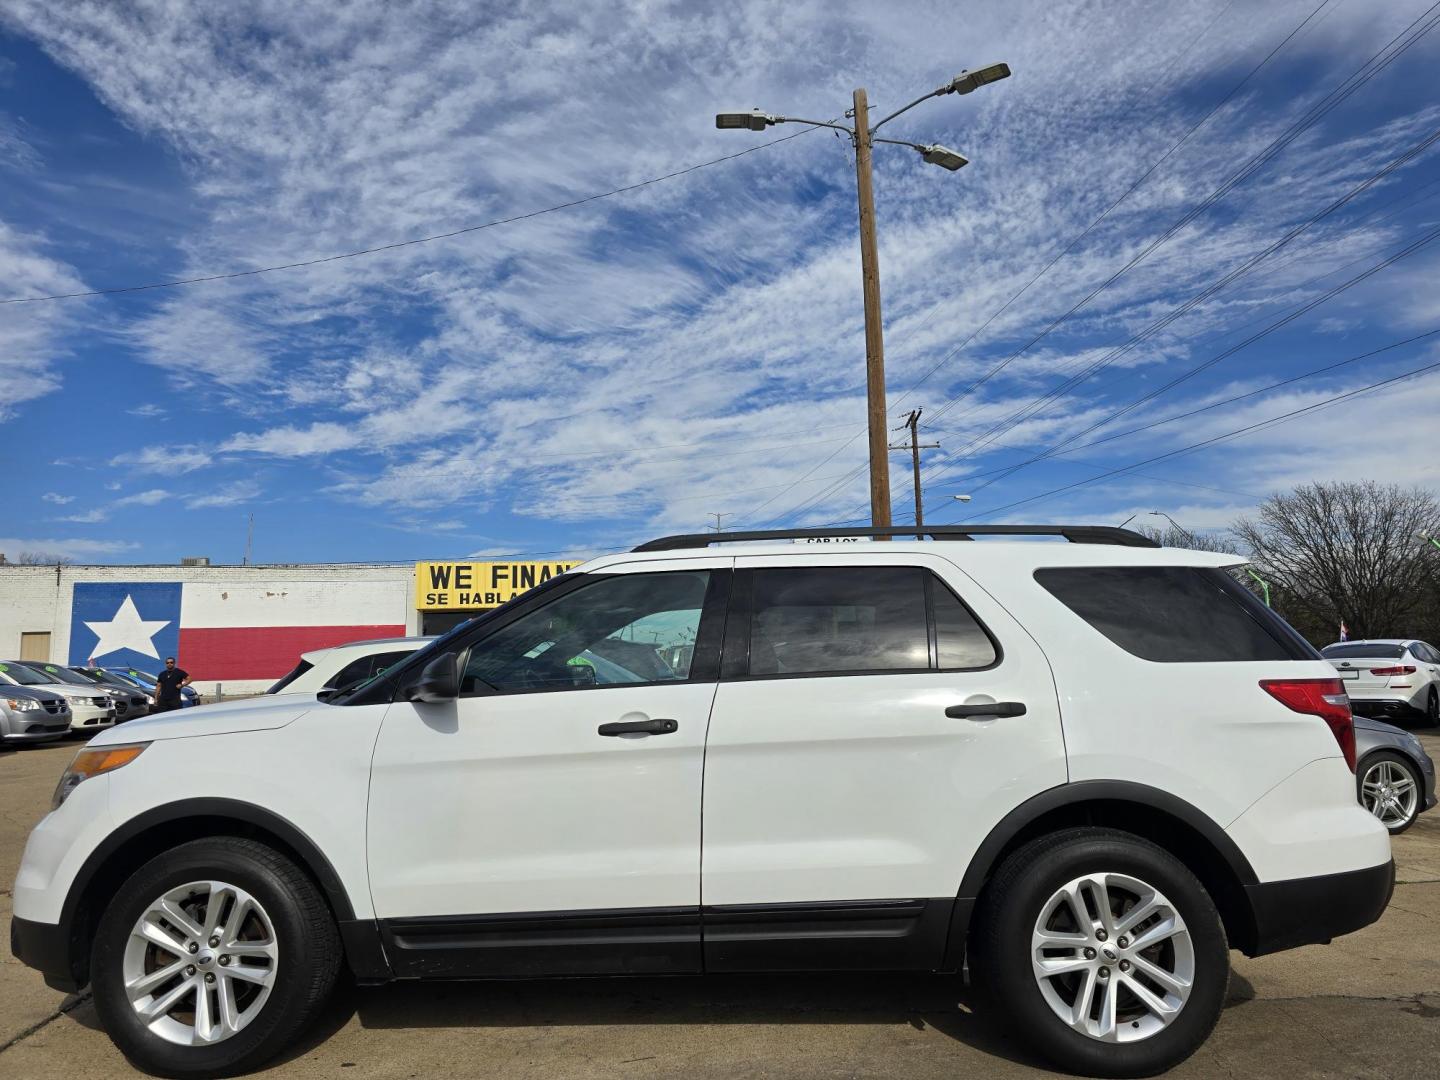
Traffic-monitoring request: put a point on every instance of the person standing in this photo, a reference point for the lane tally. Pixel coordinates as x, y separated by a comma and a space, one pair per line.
168, 685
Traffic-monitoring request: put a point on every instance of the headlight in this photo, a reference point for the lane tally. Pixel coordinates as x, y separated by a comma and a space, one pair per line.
90, 763
23, 704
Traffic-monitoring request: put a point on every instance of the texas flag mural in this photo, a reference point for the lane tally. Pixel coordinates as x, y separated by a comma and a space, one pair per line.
221, 631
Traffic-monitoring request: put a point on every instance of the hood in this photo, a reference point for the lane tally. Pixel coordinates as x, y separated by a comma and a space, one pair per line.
35, 693
69, 690
249, 714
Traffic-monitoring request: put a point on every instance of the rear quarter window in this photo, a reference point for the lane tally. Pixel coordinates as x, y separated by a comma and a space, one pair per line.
1175, 614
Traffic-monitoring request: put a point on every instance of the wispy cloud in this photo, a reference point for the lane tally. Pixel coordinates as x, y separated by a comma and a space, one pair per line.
57, 499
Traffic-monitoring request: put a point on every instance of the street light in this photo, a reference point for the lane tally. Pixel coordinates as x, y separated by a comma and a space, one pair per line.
863, 138
1178, 527
961, 498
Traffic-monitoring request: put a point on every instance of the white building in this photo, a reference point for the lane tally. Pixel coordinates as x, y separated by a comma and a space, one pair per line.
237, 627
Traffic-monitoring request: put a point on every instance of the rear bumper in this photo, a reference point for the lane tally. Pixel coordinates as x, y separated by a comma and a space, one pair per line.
1315, 910
43, 946
1382, 708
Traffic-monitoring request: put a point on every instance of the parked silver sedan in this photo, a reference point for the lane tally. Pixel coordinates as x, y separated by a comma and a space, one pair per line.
1394, 776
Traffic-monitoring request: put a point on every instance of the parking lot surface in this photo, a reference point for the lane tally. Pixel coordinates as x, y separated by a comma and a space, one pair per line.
1367, 1005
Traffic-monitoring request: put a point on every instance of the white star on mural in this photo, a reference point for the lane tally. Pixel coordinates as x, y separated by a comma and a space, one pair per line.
126, 631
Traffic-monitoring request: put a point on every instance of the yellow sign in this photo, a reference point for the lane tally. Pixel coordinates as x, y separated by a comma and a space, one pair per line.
458, 586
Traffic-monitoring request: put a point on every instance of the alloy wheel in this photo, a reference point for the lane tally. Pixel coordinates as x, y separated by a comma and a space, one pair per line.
200, 963
1113, 958
1389, 791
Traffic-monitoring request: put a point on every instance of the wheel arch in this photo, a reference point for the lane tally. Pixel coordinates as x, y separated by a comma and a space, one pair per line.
164, 827
1151, 813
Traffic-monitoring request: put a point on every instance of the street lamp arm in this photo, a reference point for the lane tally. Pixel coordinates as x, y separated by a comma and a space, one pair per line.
901, 142
815, 123
924, 97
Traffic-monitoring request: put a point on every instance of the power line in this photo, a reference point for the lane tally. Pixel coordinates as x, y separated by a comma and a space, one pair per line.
409, 243
805, 504
1346, 88
1236, 433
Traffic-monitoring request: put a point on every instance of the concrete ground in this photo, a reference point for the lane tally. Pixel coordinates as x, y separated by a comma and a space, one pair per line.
1367, 1005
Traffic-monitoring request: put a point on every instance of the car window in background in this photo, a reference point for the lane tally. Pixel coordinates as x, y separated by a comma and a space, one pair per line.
23, 675
1174, 614
295, 673
61, 674
812, 620
1364, 649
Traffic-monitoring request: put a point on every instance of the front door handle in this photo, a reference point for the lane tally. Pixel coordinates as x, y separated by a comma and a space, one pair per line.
990, 708
640, 727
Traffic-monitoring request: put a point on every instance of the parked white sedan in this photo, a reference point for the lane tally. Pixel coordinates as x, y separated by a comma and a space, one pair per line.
1390, 678
345, 665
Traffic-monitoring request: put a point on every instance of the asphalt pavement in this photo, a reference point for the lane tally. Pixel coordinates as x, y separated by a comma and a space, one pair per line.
1367, 1005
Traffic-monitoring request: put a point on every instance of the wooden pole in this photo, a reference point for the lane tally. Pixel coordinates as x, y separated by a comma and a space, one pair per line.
914, 424
874, 339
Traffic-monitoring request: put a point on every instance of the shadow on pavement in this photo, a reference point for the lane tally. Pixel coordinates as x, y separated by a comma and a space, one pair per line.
941, 1003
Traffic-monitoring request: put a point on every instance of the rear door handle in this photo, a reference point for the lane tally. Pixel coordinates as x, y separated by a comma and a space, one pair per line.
991, 708
640, 727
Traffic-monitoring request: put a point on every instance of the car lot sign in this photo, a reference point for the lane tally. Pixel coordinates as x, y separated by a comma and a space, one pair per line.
453, 586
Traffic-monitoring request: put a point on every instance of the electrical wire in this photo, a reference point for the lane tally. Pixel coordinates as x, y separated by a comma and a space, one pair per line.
408, 243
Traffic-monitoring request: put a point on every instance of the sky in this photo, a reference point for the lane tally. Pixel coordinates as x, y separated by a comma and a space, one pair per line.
580, 380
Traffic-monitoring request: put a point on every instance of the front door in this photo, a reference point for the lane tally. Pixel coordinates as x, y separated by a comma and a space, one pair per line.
548, 821
842, 801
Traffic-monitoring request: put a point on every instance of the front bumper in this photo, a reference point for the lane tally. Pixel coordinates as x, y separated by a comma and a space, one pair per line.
91, 717
43, 946
1315, 910
38, 731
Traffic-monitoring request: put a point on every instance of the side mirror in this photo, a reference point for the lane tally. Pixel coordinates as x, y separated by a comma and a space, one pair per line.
581, 675
439, 681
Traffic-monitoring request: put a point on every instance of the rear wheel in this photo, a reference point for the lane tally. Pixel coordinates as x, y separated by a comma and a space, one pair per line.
1103, 952
212, 958
1432, 707
1389, 787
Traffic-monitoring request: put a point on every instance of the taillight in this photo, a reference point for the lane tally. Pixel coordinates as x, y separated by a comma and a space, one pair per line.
1324, 698
1405, 670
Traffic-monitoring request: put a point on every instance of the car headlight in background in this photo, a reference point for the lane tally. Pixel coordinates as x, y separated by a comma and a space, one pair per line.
93, 762
23, 704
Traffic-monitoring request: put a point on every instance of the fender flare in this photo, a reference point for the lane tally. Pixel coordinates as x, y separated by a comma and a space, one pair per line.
309, 853
987, 856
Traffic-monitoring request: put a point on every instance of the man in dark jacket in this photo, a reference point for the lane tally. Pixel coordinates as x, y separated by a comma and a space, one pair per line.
168, 685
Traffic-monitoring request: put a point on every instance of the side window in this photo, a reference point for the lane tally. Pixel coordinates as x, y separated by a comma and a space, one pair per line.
627, 630
1424, 653
810, 620
961, 643
1175, 614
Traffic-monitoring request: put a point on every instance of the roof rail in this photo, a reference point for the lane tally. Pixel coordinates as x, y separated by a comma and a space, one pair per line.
1076, 534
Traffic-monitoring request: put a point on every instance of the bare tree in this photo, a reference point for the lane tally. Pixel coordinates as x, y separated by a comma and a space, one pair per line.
39, 558
1349, 551
1196, 541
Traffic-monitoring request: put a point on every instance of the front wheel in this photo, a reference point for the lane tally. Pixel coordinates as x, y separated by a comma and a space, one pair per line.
1103, 952
212, 958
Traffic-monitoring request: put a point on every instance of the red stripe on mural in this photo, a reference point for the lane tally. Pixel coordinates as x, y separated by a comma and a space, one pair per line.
263, 652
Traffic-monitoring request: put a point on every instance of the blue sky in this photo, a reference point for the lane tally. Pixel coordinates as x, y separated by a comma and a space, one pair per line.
584, 379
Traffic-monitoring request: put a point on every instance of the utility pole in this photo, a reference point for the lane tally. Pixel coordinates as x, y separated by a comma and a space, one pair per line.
717, 526
913, 423
863, 137
249, 538
874, 333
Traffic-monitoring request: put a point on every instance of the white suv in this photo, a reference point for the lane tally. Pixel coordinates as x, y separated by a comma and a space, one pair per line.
1083, 770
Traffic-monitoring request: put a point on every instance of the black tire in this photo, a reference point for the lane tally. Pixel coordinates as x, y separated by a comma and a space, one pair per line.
308, 941
1410, 769
1432, 708
1000, 950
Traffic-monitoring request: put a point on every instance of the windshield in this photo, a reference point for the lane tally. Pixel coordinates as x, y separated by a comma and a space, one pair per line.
140, 676
23, 675
60, 674
1367, 649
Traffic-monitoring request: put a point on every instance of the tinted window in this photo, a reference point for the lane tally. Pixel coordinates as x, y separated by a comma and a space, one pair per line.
960, 641
1174, 614
830, 619
633, 629
299, 670
366, 667
23, 675
1364, 649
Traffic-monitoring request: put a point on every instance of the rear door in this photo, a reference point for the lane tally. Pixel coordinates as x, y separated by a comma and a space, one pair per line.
842, 802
